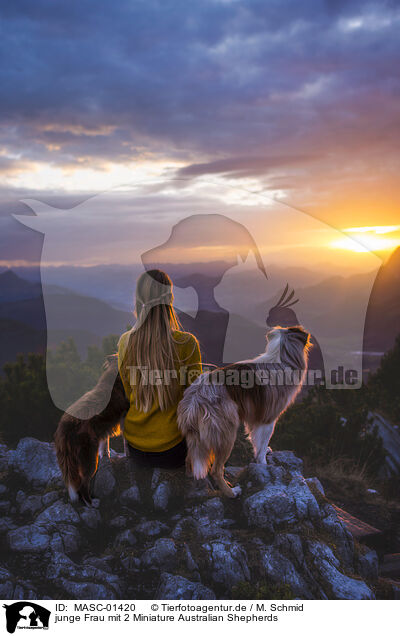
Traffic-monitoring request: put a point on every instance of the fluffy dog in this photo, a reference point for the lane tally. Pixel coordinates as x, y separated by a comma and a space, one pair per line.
85, 429
254, 391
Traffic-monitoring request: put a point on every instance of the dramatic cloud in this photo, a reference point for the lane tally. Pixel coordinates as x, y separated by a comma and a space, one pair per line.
301, 96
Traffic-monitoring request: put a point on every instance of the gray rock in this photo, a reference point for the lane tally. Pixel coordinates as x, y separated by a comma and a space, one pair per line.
336, 584
90, 517
4, 507
104, 483
6, 524
174, 587
131, 497
317, 484
62, 569
31, 505
163, 555
126, 538
6, 590
86, 590
227, 563
24, 592
49, 498
281, 503
36, 461
368, 565
31, 539
6, 584
287, 459
131, 564
101, 563
3, 490
279, 569
151, 529
162, 495
341, 537
70, 536
58, 512
118, 522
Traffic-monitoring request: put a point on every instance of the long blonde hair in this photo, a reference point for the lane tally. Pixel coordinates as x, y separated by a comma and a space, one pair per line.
151, 345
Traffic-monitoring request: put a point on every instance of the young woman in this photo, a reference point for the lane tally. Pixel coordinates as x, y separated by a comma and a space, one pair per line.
156, 361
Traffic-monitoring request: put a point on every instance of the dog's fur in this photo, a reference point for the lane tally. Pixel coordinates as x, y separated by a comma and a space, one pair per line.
83, 431
210, 413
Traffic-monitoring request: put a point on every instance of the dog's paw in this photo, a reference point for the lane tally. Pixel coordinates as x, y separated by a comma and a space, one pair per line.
236, 491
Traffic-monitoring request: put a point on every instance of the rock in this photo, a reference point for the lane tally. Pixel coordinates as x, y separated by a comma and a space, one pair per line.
287, 459
209, 518
104, 563
30, 539
6, 584
24, 591
118, 522
36, 461
58, 512
281, 503
280, 569
90, 517
4, 507
316, 482
163, 554
162, 495
85, 578
104, 483
368, 565
70, 536
6, 524
49, 498
151, 529
125, 538
31, 505
335, 583
131, 564
3, 490
86, 590
131, 497
227, 563
173, 587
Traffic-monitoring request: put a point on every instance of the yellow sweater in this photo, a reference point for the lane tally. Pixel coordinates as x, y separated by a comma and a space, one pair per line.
157, 430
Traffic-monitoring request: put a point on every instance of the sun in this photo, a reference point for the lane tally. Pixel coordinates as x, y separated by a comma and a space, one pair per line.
369, 239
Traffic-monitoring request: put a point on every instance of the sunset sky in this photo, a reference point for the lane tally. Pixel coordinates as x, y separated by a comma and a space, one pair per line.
295, 101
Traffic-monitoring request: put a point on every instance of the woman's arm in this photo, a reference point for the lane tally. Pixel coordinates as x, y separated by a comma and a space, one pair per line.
194, 366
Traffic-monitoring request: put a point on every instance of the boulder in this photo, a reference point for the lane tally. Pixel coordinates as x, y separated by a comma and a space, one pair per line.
104, 483
36, 461
58, 512
28, 539
163, 555
227, 563
173, 587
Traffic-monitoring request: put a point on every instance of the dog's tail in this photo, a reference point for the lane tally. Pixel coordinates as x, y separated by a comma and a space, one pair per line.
191, 422
67, 460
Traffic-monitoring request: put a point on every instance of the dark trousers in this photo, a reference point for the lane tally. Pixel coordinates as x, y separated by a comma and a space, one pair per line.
172, 458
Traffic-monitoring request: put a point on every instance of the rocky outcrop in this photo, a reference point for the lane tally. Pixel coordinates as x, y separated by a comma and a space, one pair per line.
158, 534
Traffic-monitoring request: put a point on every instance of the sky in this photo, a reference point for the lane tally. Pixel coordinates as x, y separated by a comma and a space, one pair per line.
295, 101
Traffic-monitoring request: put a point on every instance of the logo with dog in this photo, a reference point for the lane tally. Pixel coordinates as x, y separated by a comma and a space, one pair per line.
26, 615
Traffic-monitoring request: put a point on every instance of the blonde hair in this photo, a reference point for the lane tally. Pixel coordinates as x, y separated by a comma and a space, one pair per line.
151, 344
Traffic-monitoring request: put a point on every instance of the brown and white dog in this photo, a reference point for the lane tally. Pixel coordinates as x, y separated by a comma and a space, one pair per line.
255, 392
84, 431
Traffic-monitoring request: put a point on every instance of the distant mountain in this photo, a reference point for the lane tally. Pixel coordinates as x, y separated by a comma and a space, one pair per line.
25, 318
382, 324
16, 338
12, 287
